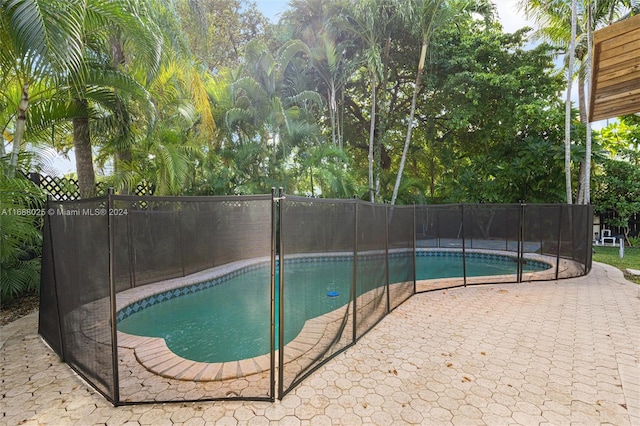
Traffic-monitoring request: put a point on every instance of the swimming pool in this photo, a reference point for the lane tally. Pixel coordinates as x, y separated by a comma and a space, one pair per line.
230, 320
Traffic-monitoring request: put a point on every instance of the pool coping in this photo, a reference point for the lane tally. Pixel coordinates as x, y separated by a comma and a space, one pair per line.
155, 356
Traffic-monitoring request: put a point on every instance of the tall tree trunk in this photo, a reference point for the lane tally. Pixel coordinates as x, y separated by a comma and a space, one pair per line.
580, 194
567, 121
333, 113
340, 116
124, 154
382, 123
432, 176
582, 105
587, 154
412, 112
21, 125
372, 130
83, 152
582, 96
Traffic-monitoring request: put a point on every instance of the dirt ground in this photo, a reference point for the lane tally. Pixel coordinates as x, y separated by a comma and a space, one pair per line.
18, 308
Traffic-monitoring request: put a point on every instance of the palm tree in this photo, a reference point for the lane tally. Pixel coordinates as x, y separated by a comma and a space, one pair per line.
268, 105
327, 170
37, 40
175, 111
367, 23
371, 22
429, 13
552, 18
67, 41
99, 80
317, 24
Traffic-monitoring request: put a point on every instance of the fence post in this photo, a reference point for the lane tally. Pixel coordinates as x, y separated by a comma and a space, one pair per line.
35, 178
415, 249
112, 297
621, 247
559, 242
274, 230
464, 252
354, 290
281, 301
521, 212
589, 254
386, 253
51, 212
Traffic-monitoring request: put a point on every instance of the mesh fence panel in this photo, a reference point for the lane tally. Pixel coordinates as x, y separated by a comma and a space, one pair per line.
186, 235
541, 238
401, 254
371, 284
211, 326
317, 291
492, 227
345, 264
439, 240
81, 267
488, 229
48, 324
573, 242
588, 240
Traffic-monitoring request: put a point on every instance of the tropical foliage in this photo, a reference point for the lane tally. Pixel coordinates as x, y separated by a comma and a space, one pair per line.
20, 236
389, 100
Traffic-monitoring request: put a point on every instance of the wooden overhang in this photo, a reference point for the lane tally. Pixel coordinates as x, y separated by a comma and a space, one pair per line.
615, 71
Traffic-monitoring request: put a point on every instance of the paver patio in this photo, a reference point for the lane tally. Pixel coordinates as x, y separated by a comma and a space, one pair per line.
552, 352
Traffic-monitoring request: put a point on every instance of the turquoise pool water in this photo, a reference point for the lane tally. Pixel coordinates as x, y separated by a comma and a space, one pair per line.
231, 321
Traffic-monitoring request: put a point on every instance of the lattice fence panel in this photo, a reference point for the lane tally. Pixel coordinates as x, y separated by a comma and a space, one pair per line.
66, 189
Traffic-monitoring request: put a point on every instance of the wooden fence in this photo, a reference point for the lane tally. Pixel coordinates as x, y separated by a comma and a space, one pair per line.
634, 224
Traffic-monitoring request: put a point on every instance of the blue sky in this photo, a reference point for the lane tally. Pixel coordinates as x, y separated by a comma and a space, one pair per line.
271, 8
511, 18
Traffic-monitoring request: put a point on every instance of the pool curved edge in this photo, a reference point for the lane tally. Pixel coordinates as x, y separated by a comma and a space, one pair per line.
156, 357
566, 267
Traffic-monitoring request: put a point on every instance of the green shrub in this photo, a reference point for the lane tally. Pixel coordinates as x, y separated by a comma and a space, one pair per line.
634, 241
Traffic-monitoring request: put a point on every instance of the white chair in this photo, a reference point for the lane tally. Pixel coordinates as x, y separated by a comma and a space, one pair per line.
606, 236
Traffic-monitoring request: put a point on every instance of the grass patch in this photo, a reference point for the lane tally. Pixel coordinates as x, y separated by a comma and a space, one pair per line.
611, 256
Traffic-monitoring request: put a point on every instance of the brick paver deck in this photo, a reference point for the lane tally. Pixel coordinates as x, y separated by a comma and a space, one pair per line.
565, 352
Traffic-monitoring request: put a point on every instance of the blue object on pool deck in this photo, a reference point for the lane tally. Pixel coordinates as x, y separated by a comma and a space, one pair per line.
333, 294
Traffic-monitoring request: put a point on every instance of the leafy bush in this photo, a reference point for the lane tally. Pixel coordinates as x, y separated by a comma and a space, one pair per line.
20, 236
634, 241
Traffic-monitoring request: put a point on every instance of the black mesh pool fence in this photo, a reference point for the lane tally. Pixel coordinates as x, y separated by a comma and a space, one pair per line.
162, 299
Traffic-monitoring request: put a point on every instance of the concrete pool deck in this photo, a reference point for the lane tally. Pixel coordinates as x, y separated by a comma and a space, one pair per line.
555, 352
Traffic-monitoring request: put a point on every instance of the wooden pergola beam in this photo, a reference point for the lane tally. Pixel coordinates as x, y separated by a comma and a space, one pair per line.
615, 70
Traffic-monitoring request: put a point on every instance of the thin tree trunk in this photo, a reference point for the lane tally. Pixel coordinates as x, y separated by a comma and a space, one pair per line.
582, 97
580, 196
567, 122
124, 154
587, 154
18, 135
432, 173
412, 112
83, 152
372, 130
382, 124
333, 113
341, 120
